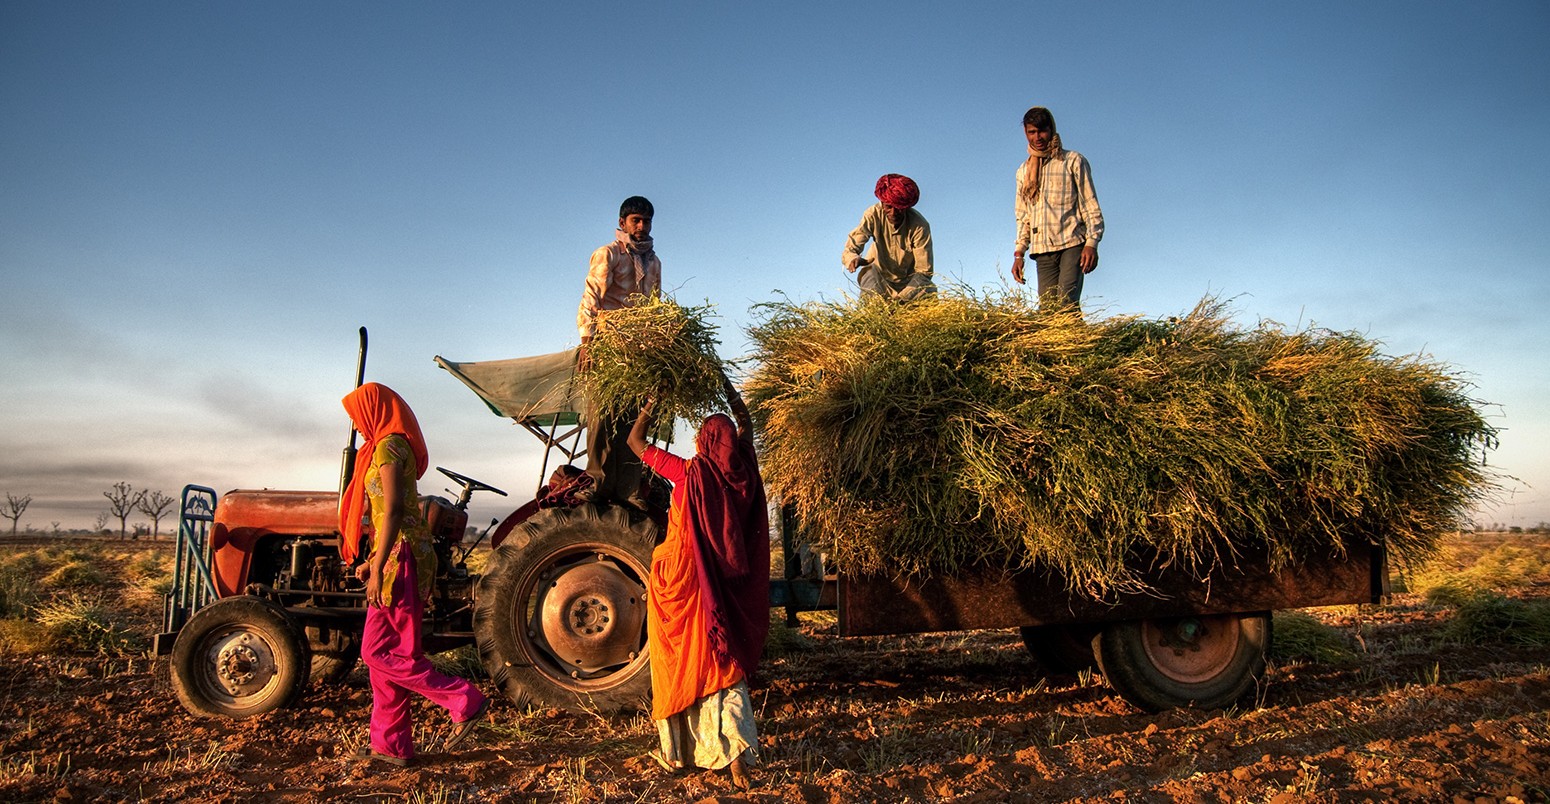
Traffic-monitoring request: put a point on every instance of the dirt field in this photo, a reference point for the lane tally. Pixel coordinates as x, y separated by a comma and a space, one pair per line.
1412, 716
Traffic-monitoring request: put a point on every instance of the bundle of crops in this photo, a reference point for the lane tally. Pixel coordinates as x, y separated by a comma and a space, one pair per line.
655, 349
982, 433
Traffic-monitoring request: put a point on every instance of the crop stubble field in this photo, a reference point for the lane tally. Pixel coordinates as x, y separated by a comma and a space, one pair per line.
1441, 695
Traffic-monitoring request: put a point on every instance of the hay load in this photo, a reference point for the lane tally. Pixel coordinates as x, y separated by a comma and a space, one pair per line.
978, 432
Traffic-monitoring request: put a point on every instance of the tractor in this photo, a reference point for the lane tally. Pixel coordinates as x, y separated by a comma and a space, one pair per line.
262, 602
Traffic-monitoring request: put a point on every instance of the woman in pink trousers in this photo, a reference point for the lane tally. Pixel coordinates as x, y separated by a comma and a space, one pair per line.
398, 573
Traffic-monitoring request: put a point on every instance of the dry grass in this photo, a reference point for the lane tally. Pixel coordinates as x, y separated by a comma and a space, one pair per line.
1471, 564
68, 598
1299, 636
969, 431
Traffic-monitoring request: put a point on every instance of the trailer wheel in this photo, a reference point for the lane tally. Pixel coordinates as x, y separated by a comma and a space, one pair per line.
334, 653
239, 657
560, 613
1061, 648
1207, 661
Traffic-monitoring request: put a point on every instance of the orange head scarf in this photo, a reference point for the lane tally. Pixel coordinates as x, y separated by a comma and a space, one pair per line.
377, 412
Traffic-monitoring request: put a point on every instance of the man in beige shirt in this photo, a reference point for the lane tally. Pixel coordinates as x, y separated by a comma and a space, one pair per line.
1059, 222
898, 266
621, 274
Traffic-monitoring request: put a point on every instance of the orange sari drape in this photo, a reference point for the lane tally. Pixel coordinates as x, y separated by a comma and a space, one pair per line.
684, 665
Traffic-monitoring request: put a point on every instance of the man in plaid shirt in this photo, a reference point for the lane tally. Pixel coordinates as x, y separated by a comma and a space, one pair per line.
1058, 219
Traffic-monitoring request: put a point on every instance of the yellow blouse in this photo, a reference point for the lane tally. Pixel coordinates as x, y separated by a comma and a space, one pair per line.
394, 451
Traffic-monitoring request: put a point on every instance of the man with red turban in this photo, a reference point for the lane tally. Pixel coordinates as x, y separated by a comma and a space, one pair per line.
898, 265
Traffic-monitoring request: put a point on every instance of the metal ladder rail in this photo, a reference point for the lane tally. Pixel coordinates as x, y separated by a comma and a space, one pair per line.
192, 586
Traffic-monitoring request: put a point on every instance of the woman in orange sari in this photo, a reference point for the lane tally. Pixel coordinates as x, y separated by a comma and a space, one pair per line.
398, 573
708, 595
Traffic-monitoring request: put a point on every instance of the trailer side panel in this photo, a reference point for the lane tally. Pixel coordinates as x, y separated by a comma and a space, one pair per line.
875, 605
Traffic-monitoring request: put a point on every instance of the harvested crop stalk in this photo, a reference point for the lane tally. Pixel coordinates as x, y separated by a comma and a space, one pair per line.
660, 349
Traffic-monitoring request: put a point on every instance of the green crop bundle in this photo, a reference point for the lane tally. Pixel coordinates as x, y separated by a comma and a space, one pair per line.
656, 349
979, 432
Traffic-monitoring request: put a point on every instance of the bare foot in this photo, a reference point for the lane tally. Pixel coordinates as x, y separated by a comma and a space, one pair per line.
740, 775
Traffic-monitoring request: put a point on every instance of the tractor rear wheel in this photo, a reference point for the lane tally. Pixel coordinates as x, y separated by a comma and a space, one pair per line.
335, 652
1209, 661
239, 657
560, 613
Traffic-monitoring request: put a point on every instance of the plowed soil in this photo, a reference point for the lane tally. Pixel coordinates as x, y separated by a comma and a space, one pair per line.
959, 717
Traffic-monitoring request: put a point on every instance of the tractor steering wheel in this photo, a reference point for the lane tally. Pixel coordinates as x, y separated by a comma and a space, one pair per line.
469, 485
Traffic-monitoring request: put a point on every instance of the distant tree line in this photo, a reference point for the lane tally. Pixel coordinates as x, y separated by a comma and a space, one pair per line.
123, 501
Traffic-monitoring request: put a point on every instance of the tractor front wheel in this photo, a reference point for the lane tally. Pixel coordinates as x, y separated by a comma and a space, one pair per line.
560, 613
1209, 661
239, 657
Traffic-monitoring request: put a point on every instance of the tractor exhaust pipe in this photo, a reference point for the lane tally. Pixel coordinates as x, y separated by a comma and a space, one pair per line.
347, 465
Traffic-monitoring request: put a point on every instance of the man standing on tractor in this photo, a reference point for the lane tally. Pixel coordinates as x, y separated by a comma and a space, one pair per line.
622, 274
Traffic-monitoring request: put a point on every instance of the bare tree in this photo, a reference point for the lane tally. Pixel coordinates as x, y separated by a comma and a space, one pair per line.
154, 505
122, 501
14, 508
100, 524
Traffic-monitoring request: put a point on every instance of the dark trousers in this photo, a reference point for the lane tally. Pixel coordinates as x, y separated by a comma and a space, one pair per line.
1060, 275
615, 469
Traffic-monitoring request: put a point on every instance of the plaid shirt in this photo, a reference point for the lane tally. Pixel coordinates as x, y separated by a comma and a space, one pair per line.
611, 281
1065, 213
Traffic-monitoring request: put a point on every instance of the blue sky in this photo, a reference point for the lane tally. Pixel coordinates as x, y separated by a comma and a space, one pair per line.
201, 202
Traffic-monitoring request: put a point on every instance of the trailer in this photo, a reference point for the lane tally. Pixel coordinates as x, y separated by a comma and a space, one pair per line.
262, 602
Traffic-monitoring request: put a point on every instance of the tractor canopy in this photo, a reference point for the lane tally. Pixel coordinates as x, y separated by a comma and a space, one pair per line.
539, 390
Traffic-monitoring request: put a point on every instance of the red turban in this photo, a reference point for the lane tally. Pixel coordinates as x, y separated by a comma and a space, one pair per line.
897, 191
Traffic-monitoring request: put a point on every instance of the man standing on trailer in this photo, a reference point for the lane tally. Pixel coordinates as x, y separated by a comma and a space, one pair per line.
1058, 219
622, 273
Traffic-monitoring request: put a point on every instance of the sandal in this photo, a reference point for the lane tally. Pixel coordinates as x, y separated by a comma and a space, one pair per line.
462, 729
739, 773
366, 754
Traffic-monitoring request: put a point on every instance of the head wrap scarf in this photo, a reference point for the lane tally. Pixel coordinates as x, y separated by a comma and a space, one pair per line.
1034, 166
731, 536
899, 192
640, 252
377, 412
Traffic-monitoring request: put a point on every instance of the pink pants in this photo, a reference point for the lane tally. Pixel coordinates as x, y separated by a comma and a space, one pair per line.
391, 650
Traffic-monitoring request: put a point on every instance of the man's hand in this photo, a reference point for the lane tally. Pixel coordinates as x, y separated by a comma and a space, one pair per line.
855, 262
584, 356
1017, 269
1089, 259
